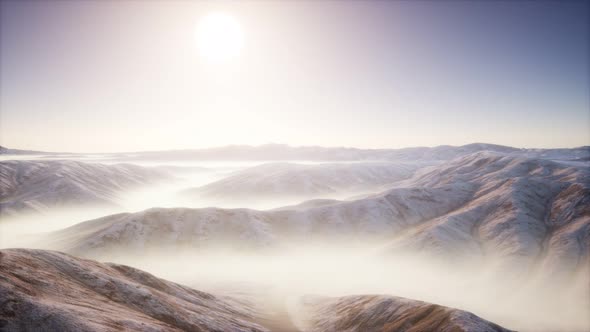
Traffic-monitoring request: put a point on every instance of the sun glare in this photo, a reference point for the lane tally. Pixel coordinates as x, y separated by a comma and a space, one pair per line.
219, 37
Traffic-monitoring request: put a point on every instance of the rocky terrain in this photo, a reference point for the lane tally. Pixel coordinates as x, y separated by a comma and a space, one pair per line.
388, 314
52, 291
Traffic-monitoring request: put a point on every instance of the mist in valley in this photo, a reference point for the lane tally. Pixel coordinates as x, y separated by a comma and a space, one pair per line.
294, 166
522, 302
330, 266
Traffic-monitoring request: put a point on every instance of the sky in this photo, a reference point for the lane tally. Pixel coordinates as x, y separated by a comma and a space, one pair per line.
109, 76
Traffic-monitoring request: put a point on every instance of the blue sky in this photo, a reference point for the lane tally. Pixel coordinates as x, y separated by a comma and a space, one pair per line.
120, 76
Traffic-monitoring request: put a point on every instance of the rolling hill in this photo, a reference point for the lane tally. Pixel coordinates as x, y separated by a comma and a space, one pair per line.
36, 185
517, 210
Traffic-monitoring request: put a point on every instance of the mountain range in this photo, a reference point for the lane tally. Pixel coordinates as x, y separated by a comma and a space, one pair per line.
516, 220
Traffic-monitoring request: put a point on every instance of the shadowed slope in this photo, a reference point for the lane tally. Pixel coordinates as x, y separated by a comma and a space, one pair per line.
51, 291
389, 314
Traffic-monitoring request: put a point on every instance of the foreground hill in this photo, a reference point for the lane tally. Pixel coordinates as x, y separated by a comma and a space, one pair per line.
51, 291
27, 185
286, 179
389, 314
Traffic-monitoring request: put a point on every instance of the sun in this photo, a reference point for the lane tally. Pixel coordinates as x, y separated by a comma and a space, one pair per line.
219, 36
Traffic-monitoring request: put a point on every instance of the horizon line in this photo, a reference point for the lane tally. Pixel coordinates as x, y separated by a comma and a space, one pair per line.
3, 148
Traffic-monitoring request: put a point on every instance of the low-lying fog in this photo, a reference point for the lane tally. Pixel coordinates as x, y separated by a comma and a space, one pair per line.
515, 302
171, 193
280, 277
336, 270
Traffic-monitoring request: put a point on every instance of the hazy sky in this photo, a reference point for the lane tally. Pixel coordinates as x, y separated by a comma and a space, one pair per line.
127, 75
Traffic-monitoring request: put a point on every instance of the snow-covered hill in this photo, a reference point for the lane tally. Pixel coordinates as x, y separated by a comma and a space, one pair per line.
378, 217
304, 180
34, 185
517, 210
168, 228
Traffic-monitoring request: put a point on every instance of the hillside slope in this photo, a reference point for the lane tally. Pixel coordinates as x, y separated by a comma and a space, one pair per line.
515, 210
37, 185
286, 179
51, 291
389, 314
